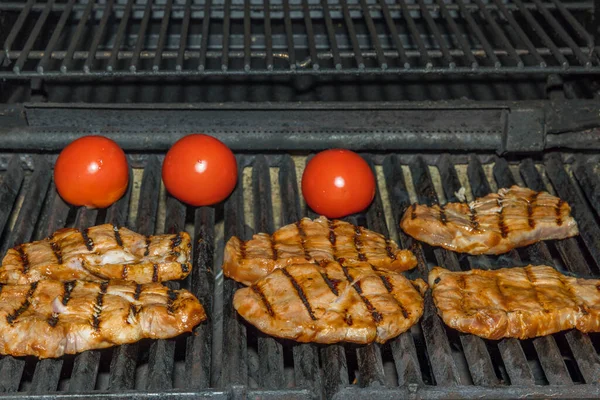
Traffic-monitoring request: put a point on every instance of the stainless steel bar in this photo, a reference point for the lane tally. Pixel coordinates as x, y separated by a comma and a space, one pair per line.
162, 35
55, 35
487, 47
247, 37
76, 38
33, 35
89, 62
119, 37
360, 63
185, 26
141, 36
373, 34
581, 31
226, 26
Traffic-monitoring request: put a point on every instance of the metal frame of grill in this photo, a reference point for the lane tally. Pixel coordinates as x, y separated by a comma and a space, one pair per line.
171, 38
429, 361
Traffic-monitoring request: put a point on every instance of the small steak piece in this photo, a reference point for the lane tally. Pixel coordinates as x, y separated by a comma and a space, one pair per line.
47, 319
311, 240
332, 302
494, 224
515, 302
99, 253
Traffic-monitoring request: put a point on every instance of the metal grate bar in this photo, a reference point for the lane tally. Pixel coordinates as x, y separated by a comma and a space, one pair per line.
77, 37
475, 351
563, 34
489, 51
437, 35
185, 26
226, 29
112, 63
568, 248
247, 37
140, 36
373, 34
162, 35
268, 35
310, 34
499, 34
415, 34
235, 352
542, 34
458, 35
306, 356
394, 33
15, 30
589, 182
337, 62
522, 35
205, 33
589, 231
55, 36
89, 62
589, 39
162, 352
335, 369
289, 34
124, 360
11, 369
360, 63
9, 189
33, 35
270, 351
199, 345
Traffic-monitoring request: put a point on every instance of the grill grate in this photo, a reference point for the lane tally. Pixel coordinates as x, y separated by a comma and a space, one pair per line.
119, 38
422, 362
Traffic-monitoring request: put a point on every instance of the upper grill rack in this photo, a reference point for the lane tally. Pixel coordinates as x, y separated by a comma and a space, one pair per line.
146, 38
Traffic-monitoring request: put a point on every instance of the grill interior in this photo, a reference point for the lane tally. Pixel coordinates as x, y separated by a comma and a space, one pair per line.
288, 50
225, 357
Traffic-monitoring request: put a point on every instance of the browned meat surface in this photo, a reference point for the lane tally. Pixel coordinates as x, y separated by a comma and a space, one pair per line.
311, 240
49, 318
515, 302
99, 253
331, 303
494, 224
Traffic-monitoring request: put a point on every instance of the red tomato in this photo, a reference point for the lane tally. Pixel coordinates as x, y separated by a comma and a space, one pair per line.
337, 182
200, 170
91, 171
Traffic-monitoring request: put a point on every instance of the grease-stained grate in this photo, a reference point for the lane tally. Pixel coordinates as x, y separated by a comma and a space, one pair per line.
118, 38
228, 358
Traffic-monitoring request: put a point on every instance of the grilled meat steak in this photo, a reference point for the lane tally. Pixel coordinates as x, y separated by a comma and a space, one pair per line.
50, 318
515, 302
332, 302
99, 253
494, 224
311, 240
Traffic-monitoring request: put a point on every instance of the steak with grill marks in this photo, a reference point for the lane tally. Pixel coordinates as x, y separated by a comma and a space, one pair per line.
494, 224
49, 318
311, 240
332, 302
515, 302
99, 253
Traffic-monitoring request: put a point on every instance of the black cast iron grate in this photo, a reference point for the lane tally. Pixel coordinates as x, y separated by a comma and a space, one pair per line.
230, 359
93, 38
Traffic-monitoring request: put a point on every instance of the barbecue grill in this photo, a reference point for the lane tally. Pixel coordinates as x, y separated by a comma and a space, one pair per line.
435, 94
